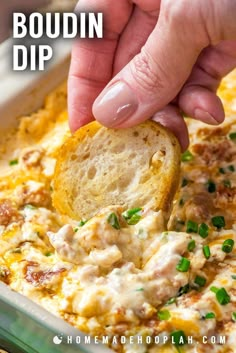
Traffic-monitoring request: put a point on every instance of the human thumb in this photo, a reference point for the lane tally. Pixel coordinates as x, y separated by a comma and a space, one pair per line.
155, 76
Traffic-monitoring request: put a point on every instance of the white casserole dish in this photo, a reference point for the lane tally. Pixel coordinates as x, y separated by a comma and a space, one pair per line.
24, 325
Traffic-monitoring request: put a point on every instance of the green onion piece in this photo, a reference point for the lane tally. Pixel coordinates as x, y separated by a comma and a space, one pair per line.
232, 136
209, 316
134, 219
206, 251
233, 276
129, 213
184, 182
221, 170
191, 227
48, 253
163, 315
221, 295
231, 168
139, 290
227, 183
82, 223
183, 290
76, 230
13, 162
214, 289
191, 245
218, 221
234, 316
113, 221
186, 156
132, 216
211, 186
183, 265
228, 245
178, 338
200, 281
16, 251
171, 301
30, 207
203, 230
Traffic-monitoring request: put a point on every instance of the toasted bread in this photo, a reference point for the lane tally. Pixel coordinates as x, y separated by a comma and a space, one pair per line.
99, 167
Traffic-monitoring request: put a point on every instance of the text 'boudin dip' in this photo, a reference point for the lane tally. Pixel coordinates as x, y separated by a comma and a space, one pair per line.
50, 26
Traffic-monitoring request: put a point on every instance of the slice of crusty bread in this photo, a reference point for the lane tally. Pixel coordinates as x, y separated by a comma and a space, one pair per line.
99, 167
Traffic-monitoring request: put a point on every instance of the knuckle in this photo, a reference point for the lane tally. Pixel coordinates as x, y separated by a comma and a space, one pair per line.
180, 16
176, 10
146, 72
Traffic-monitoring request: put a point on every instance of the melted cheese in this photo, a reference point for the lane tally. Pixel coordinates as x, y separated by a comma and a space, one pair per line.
106, 281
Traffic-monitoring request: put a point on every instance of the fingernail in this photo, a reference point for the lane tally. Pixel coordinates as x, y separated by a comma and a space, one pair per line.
204, 116
115, 105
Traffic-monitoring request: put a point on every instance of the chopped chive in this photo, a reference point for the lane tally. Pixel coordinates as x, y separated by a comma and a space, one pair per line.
16, 251
132, 216
113, 221
183, 265
206, 251
139, 290
13, 162
76, 230
191, 227
221, 170
227, 183
184, 182
234, 316
129, 213
82, 223
171, 301
231, 168
191, 245
48, 254
218, 221
203, 230
211, 186
213, 289
228, 245
30, 207
134, 219
200, 281
186, 156
233, 276
142, 234
221, 295
183, 290
163, 315
178, 338
209, 316
232, 136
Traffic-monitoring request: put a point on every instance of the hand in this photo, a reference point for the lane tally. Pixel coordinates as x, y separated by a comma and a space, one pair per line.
156, 56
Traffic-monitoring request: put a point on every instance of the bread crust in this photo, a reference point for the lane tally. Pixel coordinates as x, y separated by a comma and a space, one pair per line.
134, 167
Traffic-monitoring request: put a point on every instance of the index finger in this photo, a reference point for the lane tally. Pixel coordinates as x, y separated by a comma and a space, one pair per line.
92, 59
